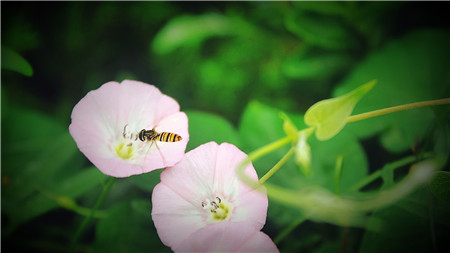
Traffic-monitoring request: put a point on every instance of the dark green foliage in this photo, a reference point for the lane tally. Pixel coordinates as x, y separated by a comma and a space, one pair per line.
440, 185
127, 228
233, 67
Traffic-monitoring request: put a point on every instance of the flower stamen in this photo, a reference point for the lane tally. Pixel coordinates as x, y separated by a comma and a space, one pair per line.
124, 131
125, 149
218, 210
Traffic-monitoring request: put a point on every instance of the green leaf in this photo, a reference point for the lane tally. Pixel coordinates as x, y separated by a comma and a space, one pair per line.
329, 247
262, 120
33, 141
440, 185
330, 8
320, 30
410, 69
205, 127
72, 187
33, 171
13, 61
418, 223
129, 226
261, 124
316, 66
330, 116
5, 102
42, 200
190, 31
147, 181
323, 157
292, 243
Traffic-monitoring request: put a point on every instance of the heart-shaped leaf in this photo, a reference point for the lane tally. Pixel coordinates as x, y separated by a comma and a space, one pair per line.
330, 116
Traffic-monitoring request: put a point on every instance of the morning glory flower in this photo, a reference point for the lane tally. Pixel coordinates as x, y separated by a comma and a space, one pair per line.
227, 237
107, 127
203, 189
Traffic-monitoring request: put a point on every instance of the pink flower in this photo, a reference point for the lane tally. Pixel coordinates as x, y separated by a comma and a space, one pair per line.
203, 189
106, 124
227, 237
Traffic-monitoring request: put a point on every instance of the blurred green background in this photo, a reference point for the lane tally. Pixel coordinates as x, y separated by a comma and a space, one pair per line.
232, 66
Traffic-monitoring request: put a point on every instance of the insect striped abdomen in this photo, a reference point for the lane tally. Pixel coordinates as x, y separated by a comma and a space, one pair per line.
168, 137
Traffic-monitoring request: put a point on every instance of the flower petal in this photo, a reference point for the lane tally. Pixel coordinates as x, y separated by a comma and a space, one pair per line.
99, 121
192, 177
171, 151
180, 193
204, 173
252, 203
227, 237
174, 216
142, 102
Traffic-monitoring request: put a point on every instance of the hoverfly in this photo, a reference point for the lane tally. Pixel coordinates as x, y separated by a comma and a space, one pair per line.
153, 136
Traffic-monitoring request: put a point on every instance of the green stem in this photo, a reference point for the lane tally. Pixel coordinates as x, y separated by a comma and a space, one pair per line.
277, 166
269, 148
398, 108
87, 219
99, 214
253, 156
419, 174
70, 204
394, 165
289, 229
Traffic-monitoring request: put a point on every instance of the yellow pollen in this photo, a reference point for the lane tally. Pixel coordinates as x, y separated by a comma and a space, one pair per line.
124, 151
220, 213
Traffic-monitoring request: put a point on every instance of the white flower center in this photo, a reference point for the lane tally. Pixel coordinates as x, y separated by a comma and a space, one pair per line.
127, 145
124, 151
218, 209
